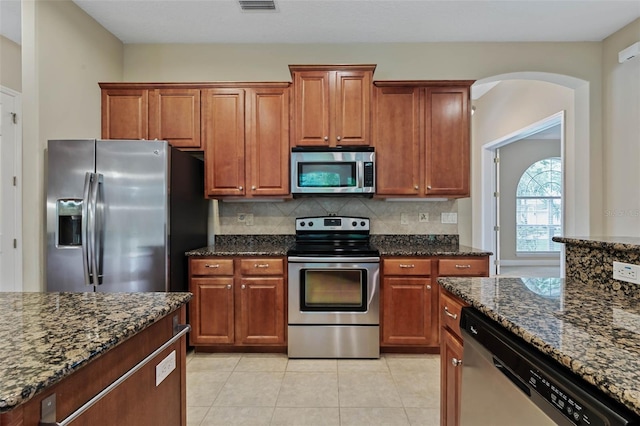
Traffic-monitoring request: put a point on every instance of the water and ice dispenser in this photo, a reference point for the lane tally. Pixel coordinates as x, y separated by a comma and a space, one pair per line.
69, 222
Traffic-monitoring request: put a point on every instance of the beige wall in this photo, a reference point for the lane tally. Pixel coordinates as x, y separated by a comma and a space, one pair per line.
621, 153
10, 64
65, 54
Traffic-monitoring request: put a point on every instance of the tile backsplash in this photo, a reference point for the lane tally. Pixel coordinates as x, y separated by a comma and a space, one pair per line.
387, 217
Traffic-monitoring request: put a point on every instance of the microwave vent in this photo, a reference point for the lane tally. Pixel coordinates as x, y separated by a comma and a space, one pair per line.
257, 5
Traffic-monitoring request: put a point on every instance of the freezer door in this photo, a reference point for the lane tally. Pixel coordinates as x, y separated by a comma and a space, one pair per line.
132, 237
68, 162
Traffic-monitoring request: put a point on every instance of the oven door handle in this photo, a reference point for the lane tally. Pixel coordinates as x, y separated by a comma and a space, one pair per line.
333, 259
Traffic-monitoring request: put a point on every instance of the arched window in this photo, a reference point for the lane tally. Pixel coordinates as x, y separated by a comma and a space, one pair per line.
539, 207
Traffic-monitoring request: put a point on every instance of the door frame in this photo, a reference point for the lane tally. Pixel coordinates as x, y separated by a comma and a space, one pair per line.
489, 185
17, 163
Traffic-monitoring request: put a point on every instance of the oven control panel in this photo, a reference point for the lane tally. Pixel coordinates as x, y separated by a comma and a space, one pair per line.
332, 223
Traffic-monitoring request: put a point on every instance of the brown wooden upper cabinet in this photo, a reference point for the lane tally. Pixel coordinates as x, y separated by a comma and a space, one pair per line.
421, 134
125, 113
141, 111
246, 141
331, 105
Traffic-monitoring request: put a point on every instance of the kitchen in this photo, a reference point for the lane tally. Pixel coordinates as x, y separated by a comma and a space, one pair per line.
594, 174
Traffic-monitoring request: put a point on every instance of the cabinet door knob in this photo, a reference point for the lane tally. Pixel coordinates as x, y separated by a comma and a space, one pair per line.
456, 362
338, 138
326, 138
239, 188
253, 187
228, 286
428, 286
243, 286
446, 311
428, 186
416, 187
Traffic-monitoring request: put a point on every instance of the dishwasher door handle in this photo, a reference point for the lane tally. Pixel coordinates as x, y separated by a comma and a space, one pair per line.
515, 379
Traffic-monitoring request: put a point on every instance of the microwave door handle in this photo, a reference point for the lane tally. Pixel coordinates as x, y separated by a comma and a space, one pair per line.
360, 174
84, 228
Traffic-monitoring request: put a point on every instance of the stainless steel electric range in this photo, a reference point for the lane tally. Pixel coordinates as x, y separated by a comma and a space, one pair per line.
334, 289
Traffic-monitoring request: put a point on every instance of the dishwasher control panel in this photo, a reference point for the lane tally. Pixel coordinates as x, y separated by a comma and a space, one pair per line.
562, 395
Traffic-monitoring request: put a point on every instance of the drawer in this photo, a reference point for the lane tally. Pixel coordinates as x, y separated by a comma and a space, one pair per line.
450, 308
262, 266
464, 267
406, 266
211, 266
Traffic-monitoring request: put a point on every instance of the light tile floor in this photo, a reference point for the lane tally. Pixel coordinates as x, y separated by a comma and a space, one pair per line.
270, 389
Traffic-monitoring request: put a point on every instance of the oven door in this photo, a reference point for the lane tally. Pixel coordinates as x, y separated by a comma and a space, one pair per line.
334, 290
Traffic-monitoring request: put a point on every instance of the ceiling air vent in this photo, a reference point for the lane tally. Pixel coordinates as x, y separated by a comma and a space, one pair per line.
257, 5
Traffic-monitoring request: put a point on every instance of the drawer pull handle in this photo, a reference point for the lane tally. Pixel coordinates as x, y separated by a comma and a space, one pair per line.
456, 362
207, 265
446, 311
463, 266
261, 265
407, 266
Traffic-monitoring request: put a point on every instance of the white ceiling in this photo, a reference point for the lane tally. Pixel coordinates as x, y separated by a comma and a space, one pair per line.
350, 21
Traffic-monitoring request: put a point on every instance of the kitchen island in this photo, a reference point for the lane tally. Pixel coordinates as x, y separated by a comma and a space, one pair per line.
592, 331
74, 345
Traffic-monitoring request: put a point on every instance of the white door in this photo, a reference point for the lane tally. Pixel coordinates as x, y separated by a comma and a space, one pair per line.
10, 198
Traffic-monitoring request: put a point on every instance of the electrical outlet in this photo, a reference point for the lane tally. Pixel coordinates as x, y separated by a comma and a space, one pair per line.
404, 218
626, 272
423, 217
165, 367
248, 219
449, 218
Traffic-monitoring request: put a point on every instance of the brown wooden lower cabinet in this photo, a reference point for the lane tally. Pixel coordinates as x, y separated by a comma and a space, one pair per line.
237, 302
136, 401
450, 358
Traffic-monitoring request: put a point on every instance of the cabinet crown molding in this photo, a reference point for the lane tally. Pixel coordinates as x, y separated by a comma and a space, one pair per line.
338, 67
195, 85
423, 83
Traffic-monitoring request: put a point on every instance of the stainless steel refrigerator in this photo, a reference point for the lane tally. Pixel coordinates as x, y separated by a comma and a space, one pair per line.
121, 214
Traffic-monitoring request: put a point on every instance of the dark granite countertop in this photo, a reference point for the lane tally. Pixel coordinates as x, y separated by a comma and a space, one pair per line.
593, 332
47, 336
389, 245
607, 243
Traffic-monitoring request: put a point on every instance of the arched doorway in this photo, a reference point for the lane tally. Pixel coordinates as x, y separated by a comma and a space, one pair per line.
576, 155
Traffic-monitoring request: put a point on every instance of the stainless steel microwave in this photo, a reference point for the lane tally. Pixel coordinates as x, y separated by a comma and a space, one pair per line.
333, 171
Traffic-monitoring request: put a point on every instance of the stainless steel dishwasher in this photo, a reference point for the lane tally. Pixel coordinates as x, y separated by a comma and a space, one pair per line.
507, 382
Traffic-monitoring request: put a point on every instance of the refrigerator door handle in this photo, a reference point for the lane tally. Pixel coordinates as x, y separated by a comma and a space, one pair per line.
99, 228
93, 228
85, 227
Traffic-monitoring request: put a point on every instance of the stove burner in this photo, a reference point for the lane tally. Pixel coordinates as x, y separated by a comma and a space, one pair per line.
332, 236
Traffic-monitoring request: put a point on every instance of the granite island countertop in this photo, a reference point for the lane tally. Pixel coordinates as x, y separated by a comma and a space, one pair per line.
593, 332
45, 337
389, 245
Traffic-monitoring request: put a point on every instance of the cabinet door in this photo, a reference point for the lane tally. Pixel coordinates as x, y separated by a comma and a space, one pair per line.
267, 142
351, 99
224, 137
174, 115
261, 316
447, 141
125, 114
407, 317
311, 108
212, 311
396, 136
450, 379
